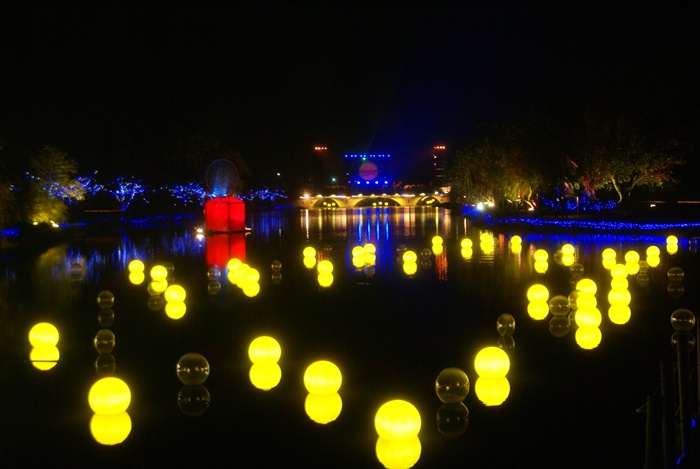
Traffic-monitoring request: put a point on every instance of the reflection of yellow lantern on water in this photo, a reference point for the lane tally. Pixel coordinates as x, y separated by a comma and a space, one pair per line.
619, 296
174, 293
322, 377
398, 454
466, 243
44, 357
672, 248
538, 310
653, 251
492, 391
323, 408
264, 349
588, 316
568, 260
537, 293
516, 248
588, 337
369, 258
109, 396
653, 261
486, 247
492, 362
586, 285
619, 283
358, 251
325, 266
437, 249
409, 256
251, 289
175, 309
159, 272
137, 278
309, 262
466, 253
110, 429
410, 268
632, 268
541, 267
358, 261
157, 286
325, 279
541, 255
397, 420
136, 266
43, 334
586, 300
265, 376
619, 314
437, 239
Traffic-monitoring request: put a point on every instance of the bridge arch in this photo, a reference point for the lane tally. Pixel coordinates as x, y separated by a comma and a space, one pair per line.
326, 202
427, 200
377, 202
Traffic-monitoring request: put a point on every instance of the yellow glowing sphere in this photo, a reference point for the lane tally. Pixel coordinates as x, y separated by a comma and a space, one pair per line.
325, 279
609, 253
43, 334
323, 408
233, 264
264, 349
437, 249
653, 261
588, 317
251, 289
398, 454
251, 275
45, 357
265, 376
486, 237
486, 247
586, 300
672, 248
541, 255
568, 260
358, 251
410, 268
174, 293
632, 268
110, 429
631, 256
586, 285
653, 251
619, 283
157, 286
537, 293
136, 266
159, 272
466, 253
309, 251
588, 337
437, 239
541, 266
538, 310
619, 297
370, 258
325, 266
397, 420
609, 263
619, 314
358, 261
137, 277
568, 249
619, 271
109, 396
672, 240
492, 362
322, 377
409, 256
516, 248
516, 240
466, 243
175, 309
492, 391
369, 247
309, 262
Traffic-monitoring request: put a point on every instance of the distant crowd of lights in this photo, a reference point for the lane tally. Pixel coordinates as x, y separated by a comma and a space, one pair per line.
365, 156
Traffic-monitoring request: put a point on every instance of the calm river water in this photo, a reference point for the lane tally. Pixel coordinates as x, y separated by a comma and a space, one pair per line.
389, 332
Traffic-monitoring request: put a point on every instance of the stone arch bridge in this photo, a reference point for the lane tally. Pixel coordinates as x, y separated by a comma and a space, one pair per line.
384, 200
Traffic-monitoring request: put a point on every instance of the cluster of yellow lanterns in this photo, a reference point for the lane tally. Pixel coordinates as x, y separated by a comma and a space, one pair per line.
322, 380
325, 273
243, 276
486, 243
672, 244
109, 399
398, 423
43, 337
264, 353
364, 255
492, 365
587, 316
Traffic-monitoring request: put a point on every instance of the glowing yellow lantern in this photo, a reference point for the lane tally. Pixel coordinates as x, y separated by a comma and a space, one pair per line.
159, 272
43, 334
487, 247
174, 293
609, 263
325, 266
437, 239
465, 243
398, 454
588, 317
466, 253
251, 289
369, 258
309, 252
323, 408
653, 261
632, 256
492, 362
586, 300
309, 262
672, 240
358, 251
588, 337
322, 377
568, 249
538, 310
516, 239
110, 429
537, 293
410, 268
586, 285
619, 283
541, 267
233, 264
397, 420
672, 248
619, 270
265, 376
653, 251
492, 391
541, 255
632, 268
409, 256
45, 357
486, 238
109, 396
568, 260
137, 277
619, 314
252, 275
175, 309
157, 286
369, 247
437, 249
325, 279
136, 266
358, 261
609, 253
264, 349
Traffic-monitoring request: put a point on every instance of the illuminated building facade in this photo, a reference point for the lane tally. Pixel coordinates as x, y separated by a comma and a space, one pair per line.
439, 164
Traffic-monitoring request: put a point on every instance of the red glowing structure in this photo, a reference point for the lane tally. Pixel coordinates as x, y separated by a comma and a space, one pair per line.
224, 215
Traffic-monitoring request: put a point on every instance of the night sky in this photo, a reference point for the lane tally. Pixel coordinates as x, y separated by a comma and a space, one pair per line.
114, 84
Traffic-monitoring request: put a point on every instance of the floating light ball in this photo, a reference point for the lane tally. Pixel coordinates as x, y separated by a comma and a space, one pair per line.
369, 247
159, 272
491, 362
619, 297
233, 264
516, 248
632, 268
516, 239
538, 310
158, 286
309, 262
410, 268
325, 279
537, 293
683, 320
44, 357
409, 256
325, 266
322, 377
437, 249
358, 251
175, 309
137, 278
588, 317
465, 243
323, 408
619, 271
586, 285
586, 300
541, 255
653, 261
437, 239
619, 314
265, 376
252, 275
369, 258
174, 293
110, 429
541, 267
486, 238
309, 251
672, 240
559, 305
213, 273
398, 454
675, 274
672, 249
609, 253
358, 261
192, 368
505, 324
619, 283
492, 391
466, 253
653, 251
264, 349
588, 338
452, 385
632, 256
576, 269
109, 396
568, 249
105, 299
486, 247
104, 341
43, 334
136, 266
251, 289
397, 420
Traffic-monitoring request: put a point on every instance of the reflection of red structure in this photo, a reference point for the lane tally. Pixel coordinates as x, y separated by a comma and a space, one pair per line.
220, 248
224, 215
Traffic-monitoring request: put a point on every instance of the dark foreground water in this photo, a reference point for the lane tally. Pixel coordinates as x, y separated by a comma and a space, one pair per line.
389, 333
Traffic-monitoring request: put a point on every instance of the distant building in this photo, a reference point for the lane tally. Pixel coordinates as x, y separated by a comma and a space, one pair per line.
439, 165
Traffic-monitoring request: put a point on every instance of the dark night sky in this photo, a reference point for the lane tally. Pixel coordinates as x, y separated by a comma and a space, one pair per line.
106, 79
